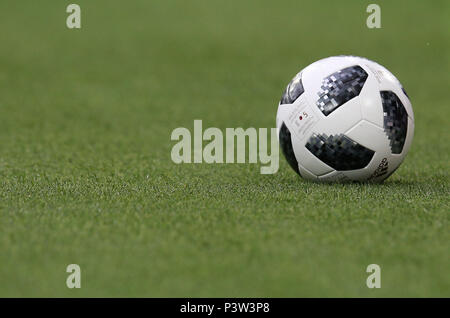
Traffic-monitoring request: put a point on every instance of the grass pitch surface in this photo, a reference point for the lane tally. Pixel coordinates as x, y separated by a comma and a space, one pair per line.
86, 175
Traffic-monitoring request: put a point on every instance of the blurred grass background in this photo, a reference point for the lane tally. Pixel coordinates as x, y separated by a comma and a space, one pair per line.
86, 175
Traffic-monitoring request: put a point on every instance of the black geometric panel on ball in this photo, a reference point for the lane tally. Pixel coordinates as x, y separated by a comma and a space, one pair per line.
293, 90
395, 120
340, 87
286, 147
339, 151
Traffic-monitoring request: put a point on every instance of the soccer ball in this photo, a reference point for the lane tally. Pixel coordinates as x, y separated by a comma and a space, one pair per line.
345, 118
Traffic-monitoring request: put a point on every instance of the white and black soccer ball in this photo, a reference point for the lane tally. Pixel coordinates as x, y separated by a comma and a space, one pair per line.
345, 118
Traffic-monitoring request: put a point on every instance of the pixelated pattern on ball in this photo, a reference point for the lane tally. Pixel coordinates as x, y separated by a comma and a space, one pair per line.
286, 147
340, 87
395, 120
293, 90
339, 151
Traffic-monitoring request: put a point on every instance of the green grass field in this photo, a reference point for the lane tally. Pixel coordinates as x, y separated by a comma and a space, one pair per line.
86, 175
